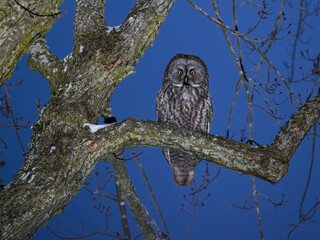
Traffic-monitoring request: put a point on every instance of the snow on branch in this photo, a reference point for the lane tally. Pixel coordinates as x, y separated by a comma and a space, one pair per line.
94, 128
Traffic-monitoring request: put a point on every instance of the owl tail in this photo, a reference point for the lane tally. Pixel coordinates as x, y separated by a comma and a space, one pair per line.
183, 177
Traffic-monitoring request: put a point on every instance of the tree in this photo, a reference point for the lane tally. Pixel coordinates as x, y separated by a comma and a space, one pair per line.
62, 149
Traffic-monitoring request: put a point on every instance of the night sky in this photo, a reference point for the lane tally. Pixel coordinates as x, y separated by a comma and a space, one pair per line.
184, 31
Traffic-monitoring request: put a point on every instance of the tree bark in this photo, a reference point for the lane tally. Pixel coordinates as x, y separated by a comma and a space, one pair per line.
21, 27
61, 156
269, 162
63, 152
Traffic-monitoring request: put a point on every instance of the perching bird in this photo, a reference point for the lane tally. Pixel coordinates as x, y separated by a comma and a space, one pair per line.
184, 99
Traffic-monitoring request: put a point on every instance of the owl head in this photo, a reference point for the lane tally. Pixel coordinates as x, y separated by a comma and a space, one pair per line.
186, 70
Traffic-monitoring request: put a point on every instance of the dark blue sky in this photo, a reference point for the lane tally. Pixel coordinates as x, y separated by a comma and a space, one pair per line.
186, 31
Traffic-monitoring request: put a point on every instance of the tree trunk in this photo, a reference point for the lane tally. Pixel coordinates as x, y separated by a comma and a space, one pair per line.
61, 155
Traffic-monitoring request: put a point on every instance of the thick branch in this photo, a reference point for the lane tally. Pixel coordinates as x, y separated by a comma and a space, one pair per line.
144, 20
89, 17
293, 132
263, 162
266, 162
19, 29
127, 189
77, 152
46, 63
61, 155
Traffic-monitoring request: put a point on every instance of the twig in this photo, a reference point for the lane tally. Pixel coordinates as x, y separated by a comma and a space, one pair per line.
310, 170
16, 127
257, 206
310, 213
238, 86
296, 39
193, 216
207, 182
5, 146
281, 203
151, 192
272, 40
244, 205
107, 195
250, 42
305, 218
242, 72
195, 202
82, 236
125, 159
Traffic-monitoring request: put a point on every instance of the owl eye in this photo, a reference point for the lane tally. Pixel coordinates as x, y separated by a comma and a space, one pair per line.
180, 72
192, 72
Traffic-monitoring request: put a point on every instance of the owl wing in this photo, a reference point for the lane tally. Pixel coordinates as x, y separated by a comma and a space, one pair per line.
204, 114
162, 107
159, 107
210, 111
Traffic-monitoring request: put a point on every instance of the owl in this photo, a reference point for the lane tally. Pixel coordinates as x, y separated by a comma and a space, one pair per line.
184, 99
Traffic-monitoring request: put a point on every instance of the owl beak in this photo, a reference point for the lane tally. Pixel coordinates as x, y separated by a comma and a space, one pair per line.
186, 79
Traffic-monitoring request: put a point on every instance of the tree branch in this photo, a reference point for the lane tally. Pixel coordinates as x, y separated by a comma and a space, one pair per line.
121, 199
19, 29
89, 18
155, 202
263, 162
46, 63
127, 189
251, 43
293, 132
63, 153
61, 156
266, 162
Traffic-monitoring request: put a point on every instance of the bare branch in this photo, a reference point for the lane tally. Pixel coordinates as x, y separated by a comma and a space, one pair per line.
307, 216
310, 170
122, 208
294, 131
127, 191
82, 236
16, 127
251, 43
193, 198
255, 194
151, 192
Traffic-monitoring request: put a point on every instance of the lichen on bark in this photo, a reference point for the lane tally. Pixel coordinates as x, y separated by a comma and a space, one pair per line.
19, 29
63, 152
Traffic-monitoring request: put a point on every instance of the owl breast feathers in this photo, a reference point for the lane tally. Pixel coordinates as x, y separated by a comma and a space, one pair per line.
184, 99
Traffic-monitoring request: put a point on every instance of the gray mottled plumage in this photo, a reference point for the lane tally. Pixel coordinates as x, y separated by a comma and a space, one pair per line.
184, 99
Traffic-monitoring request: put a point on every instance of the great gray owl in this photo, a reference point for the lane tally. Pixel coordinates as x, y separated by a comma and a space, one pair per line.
184, 99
